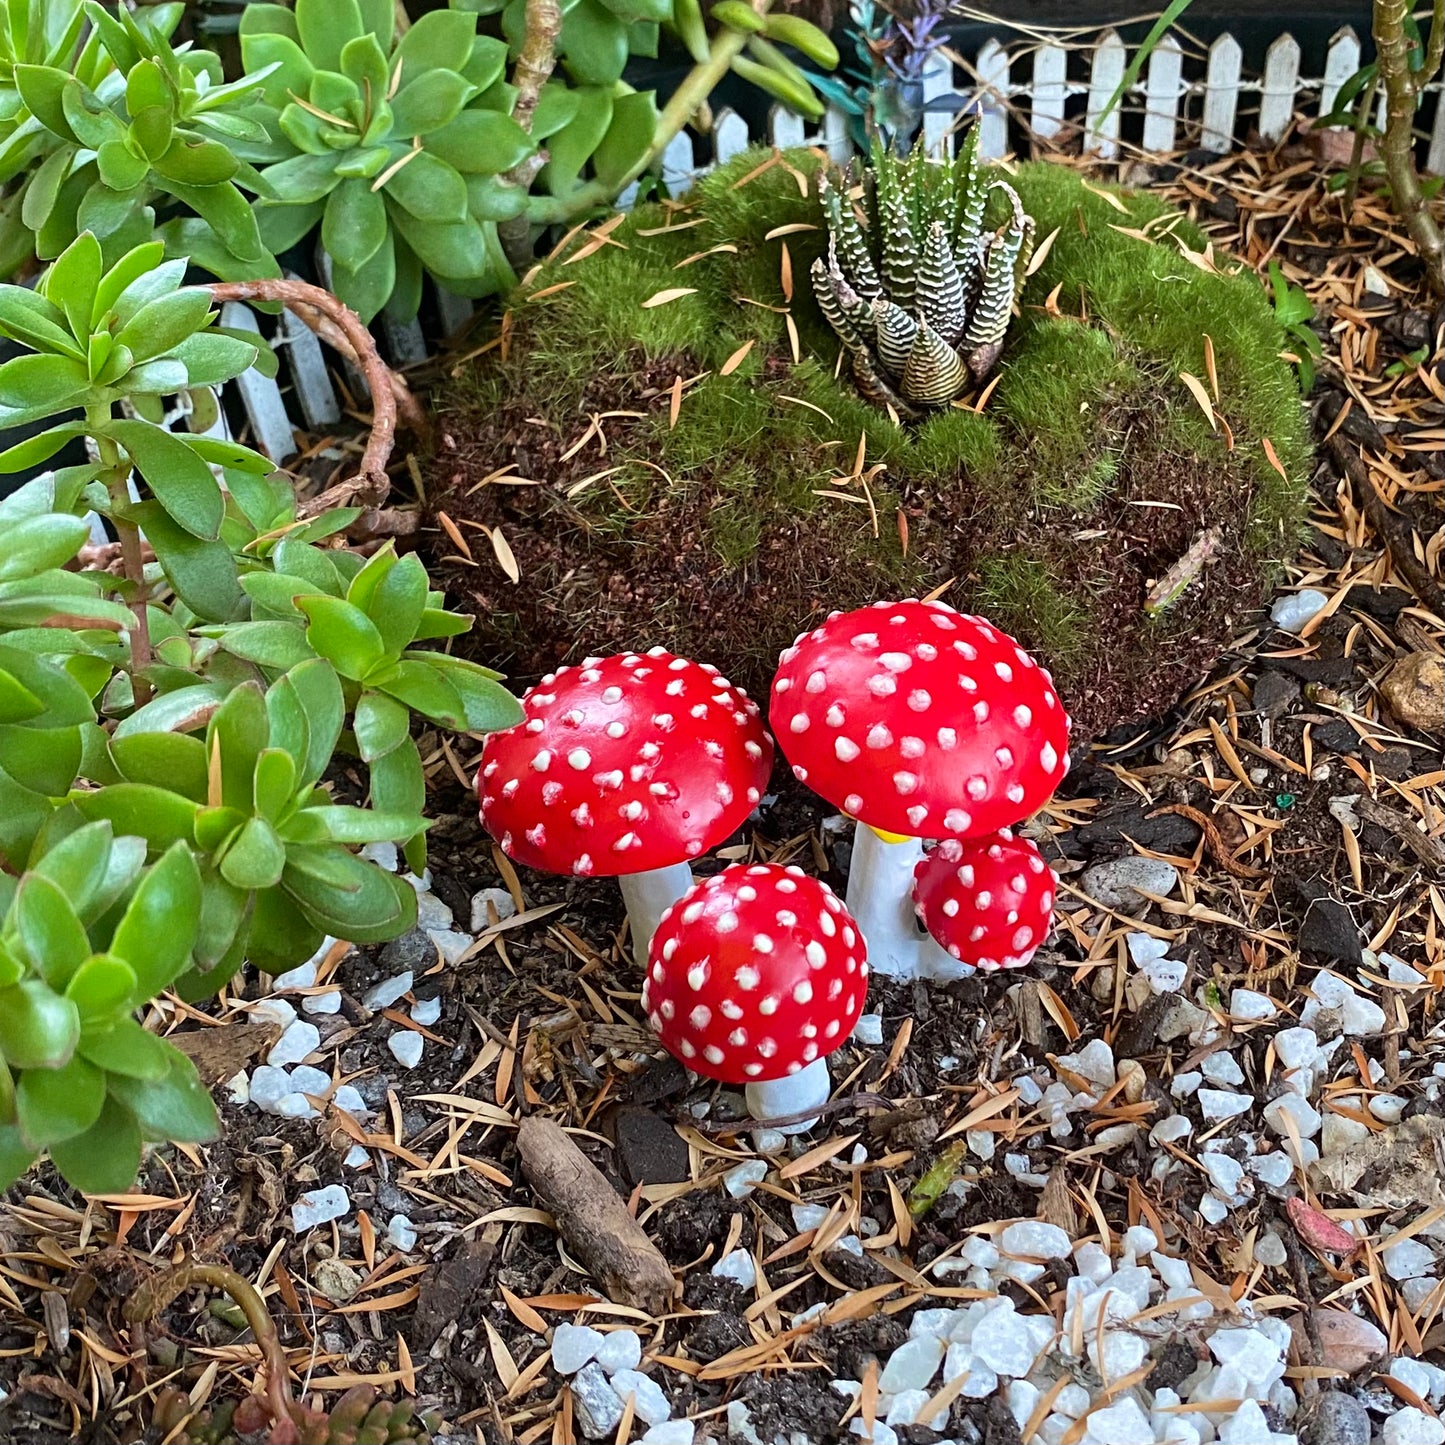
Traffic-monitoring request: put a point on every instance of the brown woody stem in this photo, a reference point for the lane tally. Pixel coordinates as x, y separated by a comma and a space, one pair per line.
342, 327
534, 68
153, 1296
1397, 145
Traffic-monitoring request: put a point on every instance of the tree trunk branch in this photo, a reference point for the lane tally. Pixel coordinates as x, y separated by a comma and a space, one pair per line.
1397, 145
534, 68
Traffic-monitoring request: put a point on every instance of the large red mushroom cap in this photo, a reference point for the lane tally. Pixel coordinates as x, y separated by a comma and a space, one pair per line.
920, 720
624, 764
988, 901
755, 973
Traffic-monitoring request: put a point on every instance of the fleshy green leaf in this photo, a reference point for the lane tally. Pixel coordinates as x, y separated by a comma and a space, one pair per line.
155, 933
481, 142
182, 483
342, 634
354, 225
158, 815
48, 930
39, 1028
101, 987
104, 1158
380, 724
176, 1108
57, 1104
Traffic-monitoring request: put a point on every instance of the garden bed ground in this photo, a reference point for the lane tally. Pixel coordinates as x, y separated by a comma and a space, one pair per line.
540, 1016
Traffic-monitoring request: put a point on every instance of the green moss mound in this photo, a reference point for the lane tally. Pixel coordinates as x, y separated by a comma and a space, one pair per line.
725, 531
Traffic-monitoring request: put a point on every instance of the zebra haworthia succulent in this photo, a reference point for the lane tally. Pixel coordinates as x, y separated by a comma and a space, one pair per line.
922, 299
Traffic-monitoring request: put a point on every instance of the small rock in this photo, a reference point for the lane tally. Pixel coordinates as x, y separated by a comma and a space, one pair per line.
356, 1156
573, 1346
269, 1085
432, 913
1165, 975
1297, 1048
649, 1149
770, 1141
426, 1011
406, 1047
1273, 693
1336, 1419
620, 1350
904, 1407
273, 1011
1407, 1260
1121, 1424
320, 1206
808, 1216
651, 1405
1295, 609
869, 1029
1329, 932
238, 1088
1415, 691
1224, 1173
449, 943
1180, 1017
1245, 1003
307, 1079
484, 901
384, 855
1181, 1086
1034, 1239
384, 994
295, 1044
1221, 1104
741, 1180
1003, 1341
337, 1281
739, 1266
1269, 1250
1347, 1341
1274, 1169
302, 976
1115, 883
912, 1365
1222, 1068
595, 1404
1094, 1062
1387, 1108
1412, 1426
401, 1232
348, 1099
670, 1432
328, 1002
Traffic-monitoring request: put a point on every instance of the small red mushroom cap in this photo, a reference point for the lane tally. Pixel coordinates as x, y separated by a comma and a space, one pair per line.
755, 973
988, 901
624, 764
920, 720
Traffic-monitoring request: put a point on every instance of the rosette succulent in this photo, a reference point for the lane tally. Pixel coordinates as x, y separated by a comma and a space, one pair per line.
922, 299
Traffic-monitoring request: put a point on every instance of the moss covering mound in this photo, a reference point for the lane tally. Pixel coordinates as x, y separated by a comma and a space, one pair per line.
724, 530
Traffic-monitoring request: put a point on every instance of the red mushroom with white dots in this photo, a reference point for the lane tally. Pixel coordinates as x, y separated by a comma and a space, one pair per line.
628, 766
754, 978
919, 722
986, 902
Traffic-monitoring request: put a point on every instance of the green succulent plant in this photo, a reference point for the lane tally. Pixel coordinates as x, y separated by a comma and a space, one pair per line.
359, 1417
129, 123
923, 298
88, 934
396, 148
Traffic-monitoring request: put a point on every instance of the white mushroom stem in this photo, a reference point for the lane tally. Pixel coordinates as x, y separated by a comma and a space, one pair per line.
880, 898
792, 1094
647, 896
936, 962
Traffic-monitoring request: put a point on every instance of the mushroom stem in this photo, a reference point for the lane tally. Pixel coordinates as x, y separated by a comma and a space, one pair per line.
880, 898
647, 895
790, 1096
936, 962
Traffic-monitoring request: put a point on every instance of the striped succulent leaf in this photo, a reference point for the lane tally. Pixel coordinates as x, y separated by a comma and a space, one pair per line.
922, 298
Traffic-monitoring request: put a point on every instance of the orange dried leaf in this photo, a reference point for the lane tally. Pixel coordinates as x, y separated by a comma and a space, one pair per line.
670, 293
1200, 395
736, 359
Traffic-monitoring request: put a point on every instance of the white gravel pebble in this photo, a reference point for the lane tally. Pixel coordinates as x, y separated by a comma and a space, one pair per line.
1034, 1239
573, 1346
406, 1047
1269, 1250
431, 912
1121, 1424
651, 1405
1387, 1108
269, 1085
1003, 1341
739, 1266
1297, 1048
1412, 1426
384, 994
294, 1106
1407, 1260
426, 1011
276, 1011
1222, 1068
1221, 1104
1292, 611
322, 1003
487, 899
1183, 1085
912, 1365
595, 1405
1425, 1379
356, 1156
1275, 1169
384, 855
903, 1408
450, 944
1114, 883
401, 1232
869, 1029
303, 975
808, 1216
347, 1097
1171, 1130
1165, 975
1145, 948
1225, 1173
670, 1432
620, 1350
320, 1206
1300, 1112
744, 1178
238, 1088
1245, 1003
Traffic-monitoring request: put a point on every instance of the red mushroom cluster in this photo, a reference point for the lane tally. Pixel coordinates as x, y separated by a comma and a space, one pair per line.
919, 722
631, 765
754, 977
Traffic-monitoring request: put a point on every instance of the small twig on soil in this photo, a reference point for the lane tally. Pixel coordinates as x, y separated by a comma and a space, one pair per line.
592, 1217
1430, 851
337, 324
1213, 841
1387, 526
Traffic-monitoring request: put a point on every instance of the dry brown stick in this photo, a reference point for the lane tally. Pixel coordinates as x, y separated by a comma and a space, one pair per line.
1387, 526
337, 323
1213, 841
593, 1219
1430, 851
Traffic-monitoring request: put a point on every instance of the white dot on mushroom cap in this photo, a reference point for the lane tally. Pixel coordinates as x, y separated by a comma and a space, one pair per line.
849, 937
852, 803
982, 899
746, 977
865, 641
916, 815
851, 1004
658, 973
879, 737
700, 1017
825, 922
1013, 916
1022, 938
810, 1052
835, 988
802, 992
752, 1070
1014, 793
535, 726
896, 661
786, 918
817, 955
537, 836
786, 885
697, 976
980, 712
912, 747
738, 1038
1046, 903
690, 914
542, 761
977, 787
1018, 883
713, 1054
957, 821
730, 1010
762, 943
809, 1031
724, 793
905, 782
795, 1068
965, 874
950, 908
835, 717
1004, 757
1048, 758
947, 738
611, 779
747, 893
882, 685
976, 932
845, 749
966, 651
1023, 715
783, 683
919, 700
664, 721
686, 1049
768, 1004
631, 811
816, 682
726, 922
767, 1047
626, 841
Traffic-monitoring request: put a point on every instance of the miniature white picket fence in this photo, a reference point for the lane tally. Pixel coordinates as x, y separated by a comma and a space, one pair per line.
1017, 92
